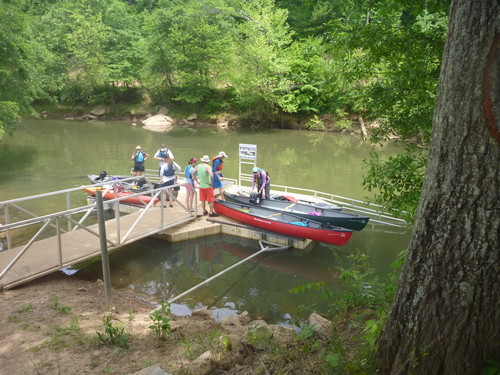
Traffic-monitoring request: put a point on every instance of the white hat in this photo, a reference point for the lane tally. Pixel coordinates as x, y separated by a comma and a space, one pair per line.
138, 148
221, 154
205, 159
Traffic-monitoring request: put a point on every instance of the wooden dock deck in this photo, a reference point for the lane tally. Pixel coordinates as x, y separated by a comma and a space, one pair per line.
55, 252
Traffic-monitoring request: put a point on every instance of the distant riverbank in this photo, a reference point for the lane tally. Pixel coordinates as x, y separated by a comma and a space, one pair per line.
196, 116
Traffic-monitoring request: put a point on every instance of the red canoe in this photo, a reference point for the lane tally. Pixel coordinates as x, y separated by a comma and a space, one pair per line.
283, 223
141, 200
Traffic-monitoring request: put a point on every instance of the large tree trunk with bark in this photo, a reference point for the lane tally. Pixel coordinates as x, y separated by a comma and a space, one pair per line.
446, 315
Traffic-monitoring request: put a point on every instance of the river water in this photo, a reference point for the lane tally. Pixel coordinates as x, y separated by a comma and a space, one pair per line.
48, 155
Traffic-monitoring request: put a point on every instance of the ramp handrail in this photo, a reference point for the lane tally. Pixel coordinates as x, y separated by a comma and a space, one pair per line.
375, 211
21, 228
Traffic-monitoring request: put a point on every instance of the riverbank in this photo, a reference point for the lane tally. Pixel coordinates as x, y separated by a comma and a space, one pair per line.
196, 116
50, 326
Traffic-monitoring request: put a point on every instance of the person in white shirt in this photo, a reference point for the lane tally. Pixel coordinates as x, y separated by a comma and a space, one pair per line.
161, 155
168, 174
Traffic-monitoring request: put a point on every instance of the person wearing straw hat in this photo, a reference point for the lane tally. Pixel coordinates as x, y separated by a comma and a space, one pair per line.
204, 177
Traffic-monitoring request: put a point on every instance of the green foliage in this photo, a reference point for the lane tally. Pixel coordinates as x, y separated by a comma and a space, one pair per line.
58, 335
25, 308
397, 181
259, 75
260, 337
9, 116
161, 321
315, 124
214, 341
491, 367
358, 305
189, 44
113, 334
56, 305
404, 42
19, 66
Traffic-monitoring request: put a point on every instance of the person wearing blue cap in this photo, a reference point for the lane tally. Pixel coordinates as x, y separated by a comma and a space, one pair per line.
262, 180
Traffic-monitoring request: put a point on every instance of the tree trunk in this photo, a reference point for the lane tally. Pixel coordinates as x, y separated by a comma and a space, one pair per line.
363, 127
445, 318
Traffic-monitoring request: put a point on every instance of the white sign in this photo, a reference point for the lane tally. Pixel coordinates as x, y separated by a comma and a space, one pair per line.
248, 151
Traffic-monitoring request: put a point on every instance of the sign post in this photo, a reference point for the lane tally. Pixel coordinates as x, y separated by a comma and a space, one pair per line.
248, 156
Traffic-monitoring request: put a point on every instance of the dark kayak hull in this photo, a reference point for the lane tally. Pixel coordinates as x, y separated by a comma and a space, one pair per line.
283, 223
307, 211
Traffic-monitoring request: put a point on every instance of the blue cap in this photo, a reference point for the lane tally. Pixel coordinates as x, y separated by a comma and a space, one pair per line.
255, 169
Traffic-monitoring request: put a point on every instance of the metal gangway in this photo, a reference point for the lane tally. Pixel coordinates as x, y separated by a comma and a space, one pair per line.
44, 233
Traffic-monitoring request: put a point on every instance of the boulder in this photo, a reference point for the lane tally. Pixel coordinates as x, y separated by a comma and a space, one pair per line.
245, 318
99, 111
163, 111
158, 123
231, 320
320, 325
192, 117
202, 365
204, 314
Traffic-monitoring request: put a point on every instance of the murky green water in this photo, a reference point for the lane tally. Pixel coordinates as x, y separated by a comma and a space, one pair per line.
48, 155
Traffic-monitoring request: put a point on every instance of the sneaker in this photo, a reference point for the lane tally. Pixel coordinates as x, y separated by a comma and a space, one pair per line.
205, 212
213, 215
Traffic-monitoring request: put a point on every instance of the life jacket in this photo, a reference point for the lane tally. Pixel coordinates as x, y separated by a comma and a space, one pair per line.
169, 171
163, 154
188, 171
266, 172
219, 168
139, 157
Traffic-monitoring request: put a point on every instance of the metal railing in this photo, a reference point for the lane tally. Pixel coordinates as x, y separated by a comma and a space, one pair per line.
376, 212
33, 237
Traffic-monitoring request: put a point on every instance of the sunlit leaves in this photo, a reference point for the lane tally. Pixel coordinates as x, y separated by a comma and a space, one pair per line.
18, 66
397, 181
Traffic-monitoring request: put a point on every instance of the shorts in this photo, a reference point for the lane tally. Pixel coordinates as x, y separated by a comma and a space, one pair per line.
207, 195
168, 183
139, 166
189, 187
216, 183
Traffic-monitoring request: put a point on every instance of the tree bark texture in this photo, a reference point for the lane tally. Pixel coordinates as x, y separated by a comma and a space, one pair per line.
445, 318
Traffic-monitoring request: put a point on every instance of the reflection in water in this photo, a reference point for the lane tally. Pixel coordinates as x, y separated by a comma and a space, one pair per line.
261, 286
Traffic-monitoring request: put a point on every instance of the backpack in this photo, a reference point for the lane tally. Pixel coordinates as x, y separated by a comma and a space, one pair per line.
163, 154
139, 157
169, 171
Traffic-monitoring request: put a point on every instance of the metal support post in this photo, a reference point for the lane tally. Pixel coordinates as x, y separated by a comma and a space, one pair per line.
104, 249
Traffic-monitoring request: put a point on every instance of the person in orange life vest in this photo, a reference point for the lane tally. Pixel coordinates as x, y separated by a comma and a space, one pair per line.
161, 155
169, 172
139, 157
190, 187
217, 171
204, 176
263, 182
